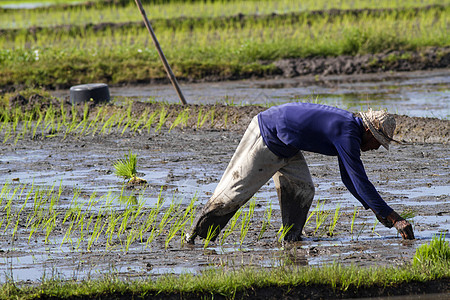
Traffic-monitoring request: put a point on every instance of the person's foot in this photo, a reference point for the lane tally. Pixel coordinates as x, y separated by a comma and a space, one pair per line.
293, 236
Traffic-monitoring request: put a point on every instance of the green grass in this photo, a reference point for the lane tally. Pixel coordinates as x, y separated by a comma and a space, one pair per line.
243, 281
192, 9
427, 254
199, 46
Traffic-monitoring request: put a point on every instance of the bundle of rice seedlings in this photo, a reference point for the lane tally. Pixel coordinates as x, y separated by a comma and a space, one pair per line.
126, 168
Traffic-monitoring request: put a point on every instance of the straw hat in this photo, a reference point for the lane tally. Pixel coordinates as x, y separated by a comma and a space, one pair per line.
381, 124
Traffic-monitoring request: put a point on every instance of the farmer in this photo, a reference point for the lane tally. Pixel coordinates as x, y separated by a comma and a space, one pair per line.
272, 147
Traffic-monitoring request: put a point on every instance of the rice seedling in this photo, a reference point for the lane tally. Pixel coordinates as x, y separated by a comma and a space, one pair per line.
182, 119
163, 115
212, 232
150, 121
355, 211
437, 250
266, 220
231, 226
126, 168
140, 120
333, 223
283, 231
246, 220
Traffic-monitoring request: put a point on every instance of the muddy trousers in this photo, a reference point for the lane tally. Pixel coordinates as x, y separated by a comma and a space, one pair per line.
251, 166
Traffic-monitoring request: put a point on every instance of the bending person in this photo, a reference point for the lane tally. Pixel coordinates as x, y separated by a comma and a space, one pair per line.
272, 147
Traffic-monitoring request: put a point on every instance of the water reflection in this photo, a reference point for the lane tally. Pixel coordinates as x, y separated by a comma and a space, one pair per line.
420, 94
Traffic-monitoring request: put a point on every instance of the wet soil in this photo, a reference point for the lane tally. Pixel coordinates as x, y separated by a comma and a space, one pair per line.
189, 161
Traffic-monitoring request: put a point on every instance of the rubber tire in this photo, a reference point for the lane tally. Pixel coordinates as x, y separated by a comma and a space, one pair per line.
98, 92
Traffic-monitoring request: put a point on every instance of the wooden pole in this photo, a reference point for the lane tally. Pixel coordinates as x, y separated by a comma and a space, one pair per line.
161, 54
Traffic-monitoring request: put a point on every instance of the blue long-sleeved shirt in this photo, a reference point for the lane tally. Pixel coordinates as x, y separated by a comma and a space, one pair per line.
289, 128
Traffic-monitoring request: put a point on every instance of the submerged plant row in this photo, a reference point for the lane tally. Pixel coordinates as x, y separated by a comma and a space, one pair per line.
30, 213
231, 48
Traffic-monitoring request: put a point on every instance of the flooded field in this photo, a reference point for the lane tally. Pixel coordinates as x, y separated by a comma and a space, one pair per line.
69, 183
415, 94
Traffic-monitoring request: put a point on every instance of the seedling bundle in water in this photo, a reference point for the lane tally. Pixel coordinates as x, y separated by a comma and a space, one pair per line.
126, 168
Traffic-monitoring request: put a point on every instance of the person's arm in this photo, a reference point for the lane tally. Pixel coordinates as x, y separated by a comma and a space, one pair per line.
359, 185
355, 179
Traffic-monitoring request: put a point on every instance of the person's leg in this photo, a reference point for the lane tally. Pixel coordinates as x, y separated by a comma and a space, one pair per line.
251, 166
295, 191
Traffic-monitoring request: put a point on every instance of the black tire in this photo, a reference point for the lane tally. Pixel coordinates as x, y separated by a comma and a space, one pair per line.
97, 92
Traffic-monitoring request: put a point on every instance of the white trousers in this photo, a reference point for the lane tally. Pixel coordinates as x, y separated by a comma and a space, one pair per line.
251, 166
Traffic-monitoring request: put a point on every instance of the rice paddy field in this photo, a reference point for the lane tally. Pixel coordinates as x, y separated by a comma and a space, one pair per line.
60, 46
96, 199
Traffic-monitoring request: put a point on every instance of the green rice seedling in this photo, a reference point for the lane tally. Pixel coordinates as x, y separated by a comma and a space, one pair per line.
131, 237
93, 123
436, 251
246, 219
163, 115
374, 226
361, 230
332, 225
174, 228
7, 134
321, 216
126, 168
63, 114
129, 119
119, 123
20, 211
283, 231
355, 211
209, 114
107, 124
49, 225
113, 220
199, 117
150, 121
74, 120
84, 120
8, 208
408, 214
311, 214
182, 118
212, 231
151, 219
231, 225
212, 114
140, 121
15, 122
22, 133
168, 216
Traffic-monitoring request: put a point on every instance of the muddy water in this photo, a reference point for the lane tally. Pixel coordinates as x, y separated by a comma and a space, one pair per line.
189, 163
419, 94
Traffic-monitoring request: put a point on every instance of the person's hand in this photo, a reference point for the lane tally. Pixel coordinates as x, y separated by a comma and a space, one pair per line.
403, 227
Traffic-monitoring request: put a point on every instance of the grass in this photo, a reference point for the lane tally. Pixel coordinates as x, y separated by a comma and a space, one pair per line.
202, 47
332, 279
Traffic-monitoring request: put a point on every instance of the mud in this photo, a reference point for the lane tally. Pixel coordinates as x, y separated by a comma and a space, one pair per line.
412, 177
